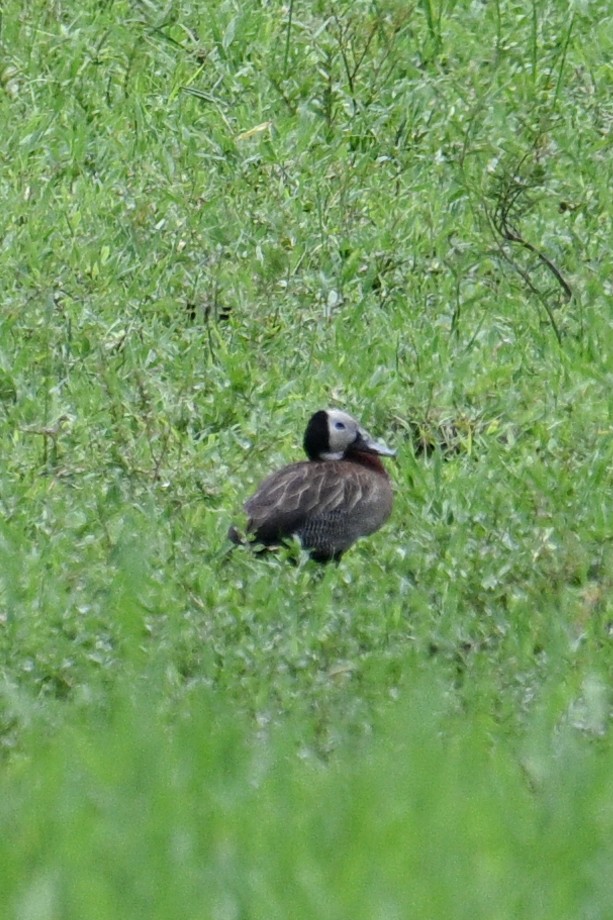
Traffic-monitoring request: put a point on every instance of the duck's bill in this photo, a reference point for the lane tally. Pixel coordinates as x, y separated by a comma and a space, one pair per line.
378, 448
366, 443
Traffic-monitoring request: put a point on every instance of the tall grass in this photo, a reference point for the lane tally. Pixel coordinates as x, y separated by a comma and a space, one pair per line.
216, 219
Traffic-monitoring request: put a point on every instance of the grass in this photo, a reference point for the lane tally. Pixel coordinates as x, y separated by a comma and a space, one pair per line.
218, 218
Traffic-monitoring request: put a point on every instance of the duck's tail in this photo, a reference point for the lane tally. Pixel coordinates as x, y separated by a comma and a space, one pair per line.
235, 536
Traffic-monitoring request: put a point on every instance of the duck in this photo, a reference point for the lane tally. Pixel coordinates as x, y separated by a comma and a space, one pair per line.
340, 494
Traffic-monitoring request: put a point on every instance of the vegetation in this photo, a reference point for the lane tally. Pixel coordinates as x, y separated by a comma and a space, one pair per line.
218, 217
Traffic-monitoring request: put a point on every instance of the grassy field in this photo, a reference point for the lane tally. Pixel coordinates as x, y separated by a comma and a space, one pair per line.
217, 218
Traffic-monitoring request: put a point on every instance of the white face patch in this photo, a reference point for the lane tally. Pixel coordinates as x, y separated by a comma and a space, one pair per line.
342, 431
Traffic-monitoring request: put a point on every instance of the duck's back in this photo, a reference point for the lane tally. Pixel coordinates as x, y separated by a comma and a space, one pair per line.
328, 504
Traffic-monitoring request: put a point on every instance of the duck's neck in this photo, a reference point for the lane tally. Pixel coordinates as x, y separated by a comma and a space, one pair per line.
370, 461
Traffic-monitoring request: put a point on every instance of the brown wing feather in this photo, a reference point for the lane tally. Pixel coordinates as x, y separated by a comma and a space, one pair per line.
293, 495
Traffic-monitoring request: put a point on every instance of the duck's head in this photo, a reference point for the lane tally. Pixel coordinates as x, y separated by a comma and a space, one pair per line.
332, 435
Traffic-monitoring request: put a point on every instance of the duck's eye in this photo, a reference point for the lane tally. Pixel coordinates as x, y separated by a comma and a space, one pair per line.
340, 426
